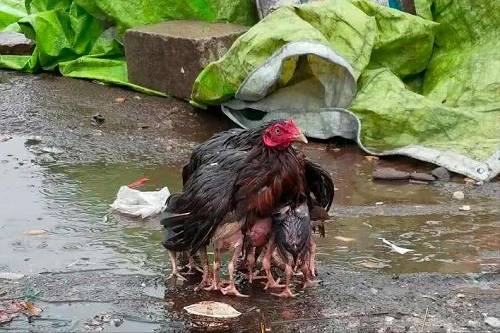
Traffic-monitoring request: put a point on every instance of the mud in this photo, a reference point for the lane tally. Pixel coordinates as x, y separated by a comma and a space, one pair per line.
61, 170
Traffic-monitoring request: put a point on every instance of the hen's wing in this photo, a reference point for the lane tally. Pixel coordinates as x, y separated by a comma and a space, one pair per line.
320, 184
193, 215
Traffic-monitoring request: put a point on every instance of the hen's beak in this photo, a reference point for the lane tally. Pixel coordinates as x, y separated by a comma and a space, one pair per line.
301, 138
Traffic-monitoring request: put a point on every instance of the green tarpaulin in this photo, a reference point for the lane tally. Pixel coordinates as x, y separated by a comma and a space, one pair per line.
428, 86
425, 86
82, 38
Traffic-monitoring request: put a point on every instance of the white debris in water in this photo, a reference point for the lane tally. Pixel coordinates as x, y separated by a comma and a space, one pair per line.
400, 250
465, 208
379, 203
10, 276
458, 195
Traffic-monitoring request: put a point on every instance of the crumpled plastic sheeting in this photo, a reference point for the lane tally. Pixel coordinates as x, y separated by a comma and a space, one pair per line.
73, 36
136, 203
437, 106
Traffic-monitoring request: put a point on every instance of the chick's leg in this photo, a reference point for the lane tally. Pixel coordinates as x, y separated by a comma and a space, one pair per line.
205, 281
175, 270
231, 289
287, 292
312, 257
192, 267
266, 265
216, 266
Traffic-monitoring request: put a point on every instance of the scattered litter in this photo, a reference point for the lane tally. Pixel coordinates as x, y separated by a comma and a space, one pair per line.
4, 138
371, 158
52, 150
96, 323
120, 99
400, 250
372, 264
137, 97
10, 276
458, 195
136, 203
429, 297
138, 183
367, 224
211, 316
344, 239
98, 118
36, 232
492, 321
11, 309
390, 174
73, 263
460, 295
379, 203
33, 140
336, 150
469, 181
465, 208
431, 222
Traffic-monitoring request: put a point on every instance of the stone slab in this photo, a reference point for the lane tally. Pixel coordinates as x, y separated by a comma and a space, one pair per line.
168, 56
15, 43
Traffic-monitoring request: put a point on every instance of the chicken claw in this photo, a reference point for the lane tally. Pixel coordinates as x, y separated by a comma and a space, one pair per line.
287, 292
175, 275
232, 291
271, 284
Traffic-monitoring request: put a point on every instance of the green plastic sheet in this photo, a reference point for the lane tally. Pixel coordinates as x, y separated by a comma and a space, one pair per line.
428, 86
82, 38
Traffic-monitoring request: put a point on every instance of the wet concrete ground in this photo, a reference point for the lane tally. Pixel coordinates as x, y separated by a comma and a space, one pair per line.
61, 170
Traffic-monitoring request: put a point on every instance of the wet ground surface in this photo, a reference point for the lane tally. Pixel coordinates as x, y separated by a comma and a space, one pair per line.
61, 170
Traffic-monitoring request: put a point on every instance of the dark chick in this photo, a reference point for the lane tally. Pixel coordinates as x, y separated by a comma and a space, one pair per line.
291, 241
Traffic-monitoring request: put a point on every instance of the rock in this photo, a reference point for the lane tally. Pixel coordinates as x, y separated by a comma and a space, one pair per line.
465, 208
492, 321
168, 56
442, 174
458, 195
15, 43
390, 174
422, 177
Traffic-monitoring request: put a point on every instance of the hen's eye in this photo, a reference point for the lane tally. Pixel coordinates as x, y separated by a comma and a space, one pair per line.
277, 131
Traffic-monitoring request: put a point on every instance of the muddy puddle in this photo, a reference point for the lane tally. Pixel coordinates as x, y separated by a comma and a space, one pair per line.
69, 202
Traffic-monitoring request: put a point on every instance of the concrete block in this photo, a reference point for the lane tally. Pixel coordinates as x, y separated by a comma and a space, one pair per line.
168, 56
15, 43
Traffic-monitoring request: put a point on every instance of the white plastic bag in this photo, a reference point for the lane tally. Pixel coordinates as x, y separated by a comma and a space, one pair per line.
136, 203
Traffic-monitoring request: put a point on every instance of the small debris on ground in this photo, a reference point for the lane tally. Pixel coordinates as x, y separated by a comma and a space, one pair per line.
371, 158
336, 150
138, 183
372, 264
137, 97
431, 222
10, 276
458, 195
11, 309
4, 138
98, 119
422, 177
97, 323
344, 239
469, 180
390, 174
465, 208
442, 174
492, 321
120, 99
35, 232
379, 203
400, 250
34, 140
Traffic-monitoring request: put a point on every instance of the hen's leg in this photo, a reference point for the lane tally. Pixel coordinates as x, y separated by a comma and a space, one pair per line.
175, 270
192, 267
251, 263
205, 281
216, 267
287, 292
231, 289
312, 258
266, 265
